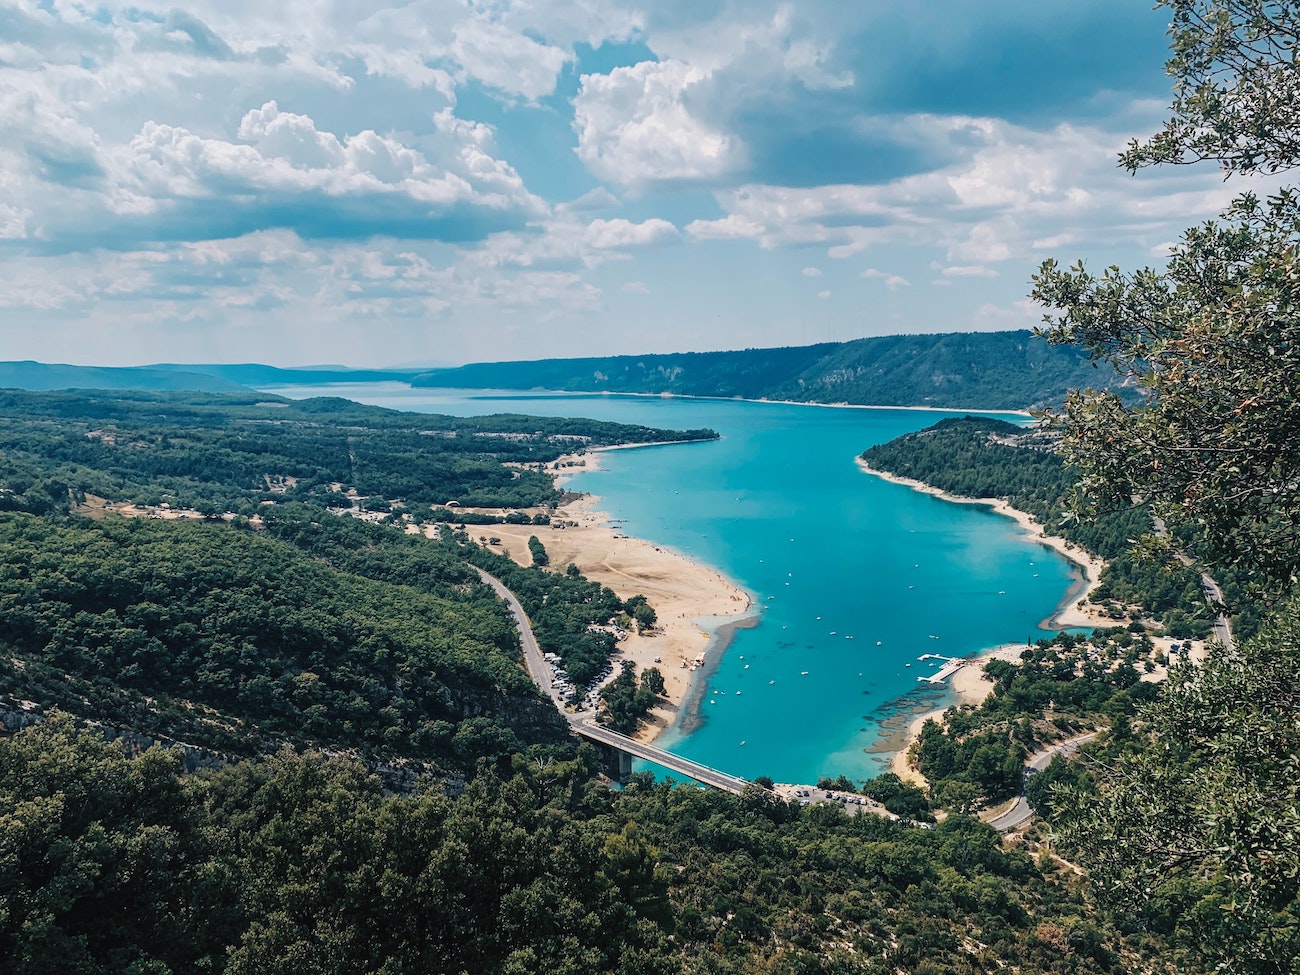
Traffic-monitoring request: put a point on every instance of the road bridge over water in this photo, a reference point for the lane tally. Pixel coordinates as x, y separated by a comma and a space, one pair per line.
631, 748
623, 747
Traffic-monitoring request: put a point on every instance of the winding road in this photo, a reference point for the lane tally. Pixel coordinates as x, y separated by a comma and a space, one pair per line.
1020, 812
540, 672
533, 659
1209, 588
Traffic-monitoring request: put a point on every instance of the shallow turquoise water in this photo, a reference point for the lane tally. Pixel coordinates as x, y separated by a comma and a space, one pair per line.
853, 578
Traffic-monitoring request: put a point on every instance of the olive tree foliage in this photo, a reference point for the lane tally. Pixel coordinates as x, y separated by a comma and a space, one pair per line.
1194, 827
1235, 87
1214, 338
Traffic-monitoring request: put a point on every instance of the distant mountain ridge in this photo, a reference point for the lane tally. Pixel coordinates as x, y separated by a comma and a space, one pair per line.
955, 370
46, 376
255, 374
960, 370
176, 377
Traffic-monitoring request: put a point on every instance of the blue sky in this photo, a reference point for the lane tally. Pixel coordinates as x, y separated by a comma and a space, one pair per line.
443, 181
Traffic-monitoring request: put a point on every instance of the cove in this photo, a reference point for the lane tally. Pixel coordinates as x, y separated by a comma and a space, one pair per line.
852, 578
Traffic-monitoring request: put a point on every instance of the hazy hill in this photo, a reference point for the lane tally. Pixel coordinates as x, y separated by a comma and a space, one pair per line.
258, 375
42, 376
989, 370
962, 370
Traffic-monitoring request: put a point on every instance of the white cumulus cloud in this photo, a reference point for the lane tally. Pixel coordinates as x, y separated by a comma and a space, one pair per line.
283, 158
969, 271
730, 227
635, 127
623, 233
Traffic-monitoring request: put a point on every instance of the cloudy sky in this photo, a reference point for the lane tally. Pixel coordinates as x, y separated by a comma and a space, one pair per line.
439, 181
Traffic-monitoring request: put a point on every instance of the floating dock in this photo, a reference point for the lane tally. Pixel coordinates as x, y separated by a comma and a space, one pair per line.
950, 666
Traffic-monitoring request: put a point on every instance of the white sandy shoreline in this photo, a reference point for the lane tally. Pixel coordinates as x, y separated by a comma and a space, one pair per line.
692, 601
969, 684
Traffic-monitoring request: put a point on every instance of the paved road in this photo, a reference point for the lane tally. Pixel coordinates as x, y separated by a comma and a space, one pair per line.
1210, 589
538, 669
1020, 812
1214, 596
540, 672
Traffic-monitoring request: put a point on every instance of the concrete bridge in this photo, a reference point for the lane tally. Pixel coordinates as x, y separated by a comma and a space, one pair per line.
621, 748
628, 748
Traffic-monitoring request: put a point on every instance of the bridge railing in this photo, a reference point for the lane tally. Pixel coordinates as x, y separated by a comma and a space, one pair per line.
650, 752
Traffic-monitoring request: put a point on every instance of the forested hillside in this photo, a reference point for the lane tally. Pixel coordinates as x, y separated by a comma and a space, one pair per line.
262, 617
228, 453
198, 377
46, 376
979, 370
236, 642
975, 370
304, 864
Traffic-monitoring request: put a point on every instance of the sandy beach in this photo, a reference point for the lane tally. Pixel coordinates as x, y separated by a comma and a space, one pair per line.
970, 686
692, 599
1075, 609
686, 595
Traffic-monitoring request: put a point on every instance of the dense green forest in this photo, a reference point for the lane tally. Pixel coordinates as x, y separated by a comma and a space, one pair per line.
305, 864
996, 370
237, 642
228, 453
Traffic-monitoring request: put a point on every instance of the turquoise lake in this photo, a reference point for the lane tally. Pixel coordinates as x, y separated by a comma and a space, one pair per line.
852, 578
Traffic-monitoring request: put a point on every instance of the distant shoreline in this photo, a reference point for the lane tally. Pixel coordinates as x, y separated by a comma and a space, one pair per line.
649, 443
773, 402
539, 391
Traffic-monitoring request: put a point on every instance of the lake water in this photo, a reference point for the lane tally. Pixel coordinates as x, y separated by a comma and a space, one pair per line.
853, 578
